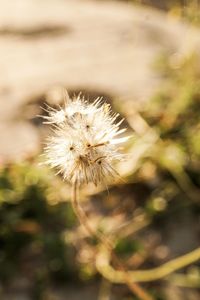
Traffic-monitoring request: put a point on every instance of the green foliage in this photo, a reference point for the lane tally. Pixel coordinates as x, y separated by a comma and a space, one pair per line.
33, 225
187, 10
127, 247
175, 113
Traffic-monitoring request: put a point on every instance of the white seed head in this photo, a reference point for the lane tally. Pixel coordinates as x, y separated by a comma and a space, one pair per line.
84, 143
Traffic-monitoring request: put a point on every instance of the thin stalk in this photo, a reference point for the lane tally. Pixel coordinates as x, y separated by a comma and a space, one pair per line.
83, 219
116, 276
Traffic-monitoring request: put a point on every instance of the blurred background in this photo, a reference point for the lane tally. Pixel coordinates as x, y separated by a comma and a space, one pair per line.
143, 58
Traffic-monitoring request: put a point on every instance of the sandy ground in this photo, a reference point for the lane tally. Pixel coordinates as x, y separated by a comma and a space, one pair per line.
107, 47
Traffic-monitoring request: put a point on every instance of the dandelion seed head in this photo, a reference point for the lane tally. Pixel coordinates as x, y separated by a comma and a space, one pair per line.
84, 143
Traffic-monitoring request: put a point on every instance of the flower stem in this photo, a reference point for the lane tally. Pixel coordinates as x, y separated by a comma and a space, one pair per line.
83, 219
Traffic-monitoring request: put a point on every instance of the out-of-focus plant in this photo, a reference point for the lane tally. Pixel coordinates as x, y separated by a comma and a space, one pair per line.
188, 10
33, 225
175, 115
165, 153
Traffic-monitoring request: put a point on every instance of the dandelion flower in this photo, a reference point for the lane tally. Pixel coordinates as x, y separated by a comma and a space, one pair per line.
85, 140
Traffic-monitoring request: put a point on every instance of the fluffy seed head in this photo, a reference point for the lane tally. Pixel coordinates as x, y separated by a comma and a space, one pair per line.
84, 143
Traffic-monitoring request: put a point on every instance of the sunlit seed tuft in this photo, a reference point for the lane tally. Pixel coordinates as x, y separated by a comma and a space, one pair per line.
84, 143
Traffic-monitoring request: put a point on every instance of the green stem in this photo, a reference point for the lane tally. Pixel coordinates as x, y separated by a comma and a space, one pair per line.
164, 270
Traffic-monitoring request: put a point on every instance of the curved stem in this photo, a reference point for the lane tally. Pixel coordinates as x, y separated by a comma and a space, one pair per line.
164, 270
83, 219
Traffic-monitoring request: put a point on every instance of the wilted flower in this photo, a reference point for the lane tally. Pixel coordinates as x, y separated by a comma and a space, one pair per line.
84, 142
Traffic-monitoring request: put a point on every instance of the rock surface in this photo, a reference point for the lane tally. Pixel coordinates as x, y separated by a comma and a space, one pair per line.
104, 46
